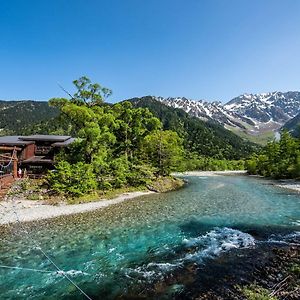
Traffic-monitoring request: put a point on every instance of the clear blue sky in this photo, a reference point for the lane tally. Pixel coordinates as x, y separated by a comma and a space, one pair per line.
201, 49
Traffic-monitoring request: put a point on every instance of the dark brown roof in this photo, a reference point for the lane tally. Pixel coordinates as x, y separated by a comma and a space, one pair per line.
65, 143
14, 140
55, 140
44, 137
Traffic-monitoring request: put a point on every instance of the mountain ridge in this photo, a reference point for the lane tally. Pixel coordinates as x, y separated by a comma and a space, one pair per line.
203, 138
251, 114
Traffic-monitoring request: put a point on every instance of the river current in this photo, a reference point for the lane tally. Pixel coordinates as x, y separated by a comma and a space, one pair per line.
125, 250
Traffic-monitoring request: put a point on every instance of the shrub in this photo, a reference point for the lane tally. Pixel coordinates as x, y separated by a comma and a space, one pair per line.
255, 292
72, 179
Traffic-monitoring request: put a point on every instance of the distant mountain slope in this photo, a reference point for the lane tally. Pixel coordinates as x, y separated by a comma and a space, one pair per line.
293, 126
204, 110
255, 117
17, 115
205, 138
276, 106
248, 114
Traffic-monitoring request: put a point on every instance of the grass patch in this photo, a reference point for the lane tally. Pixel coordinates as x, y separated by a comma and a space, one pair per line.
256, 292
260, 139
34, 197
295, 269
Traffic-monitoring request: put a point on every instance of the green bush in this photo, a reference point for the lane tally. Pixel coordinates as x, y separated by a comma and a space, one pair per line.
193, 162
140, 175
279, 159
254, 292
72, 179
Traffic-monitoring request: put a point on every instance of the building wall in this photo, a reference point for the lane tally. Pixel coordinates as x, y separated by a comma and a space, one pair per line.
28, 151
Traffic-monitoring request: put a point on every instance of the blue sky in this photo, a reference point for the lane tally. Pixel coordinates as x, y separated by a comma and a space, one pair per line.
200, 49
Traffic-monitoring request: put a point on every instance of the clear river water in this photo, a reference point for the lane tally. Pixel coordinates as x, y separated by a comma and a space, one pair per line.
138, 245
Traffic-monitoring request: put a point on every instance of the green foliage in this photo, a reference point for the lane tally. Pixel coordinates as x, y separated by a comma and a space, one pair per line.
89, 93
33, 197
194, 162
254, 292
119, 167
295, 268
105, 194
116, 145
203, 138
277, 159
132, 126
72, 179
166, 184
164, 150
293, 126
141, 174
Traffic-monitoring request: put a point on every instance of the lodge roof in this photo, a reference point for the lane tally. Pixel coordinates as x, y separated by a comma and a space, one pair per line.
45, 137
55, 140
13, 140
64, 143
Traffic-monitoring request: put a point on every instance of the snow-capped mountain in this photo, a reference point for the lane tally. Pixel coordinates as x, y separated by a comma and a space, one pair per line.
276, 106
214, 111
251, 113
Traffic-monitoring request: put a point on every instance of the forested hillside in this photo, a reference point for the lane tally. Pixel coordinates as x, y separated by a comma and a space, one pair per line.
293, 126
203, 138
17, 115
278, 159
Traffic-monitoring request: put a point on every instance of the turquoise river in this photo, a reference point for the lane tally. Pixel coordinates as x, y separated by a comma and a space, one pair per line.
141, 246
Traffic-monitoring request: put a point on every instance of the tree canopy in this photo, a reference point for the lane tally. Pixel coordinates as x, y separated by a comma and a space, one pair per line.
278, 159
199, 137
117, 145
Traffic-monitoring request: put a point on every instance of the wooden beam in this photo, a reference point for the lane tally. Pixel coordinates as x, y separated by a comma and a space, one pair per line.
10, 148
5, 156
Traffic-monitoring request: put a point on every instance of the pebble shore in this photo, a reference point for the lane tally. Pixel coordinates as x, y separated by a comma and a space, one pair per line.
28, 210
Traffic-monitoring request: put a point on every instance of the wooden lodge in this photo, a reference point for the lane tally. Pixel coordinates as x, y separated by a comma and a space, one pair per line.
34, 153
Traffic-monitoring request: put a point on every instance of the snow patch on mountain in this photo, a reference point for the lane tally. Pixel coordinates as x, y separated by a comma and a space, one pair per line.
252, 113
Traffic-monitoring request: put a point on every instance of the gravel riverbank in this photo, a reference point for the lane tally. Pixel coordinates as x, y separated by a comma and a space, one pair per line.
29, 210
